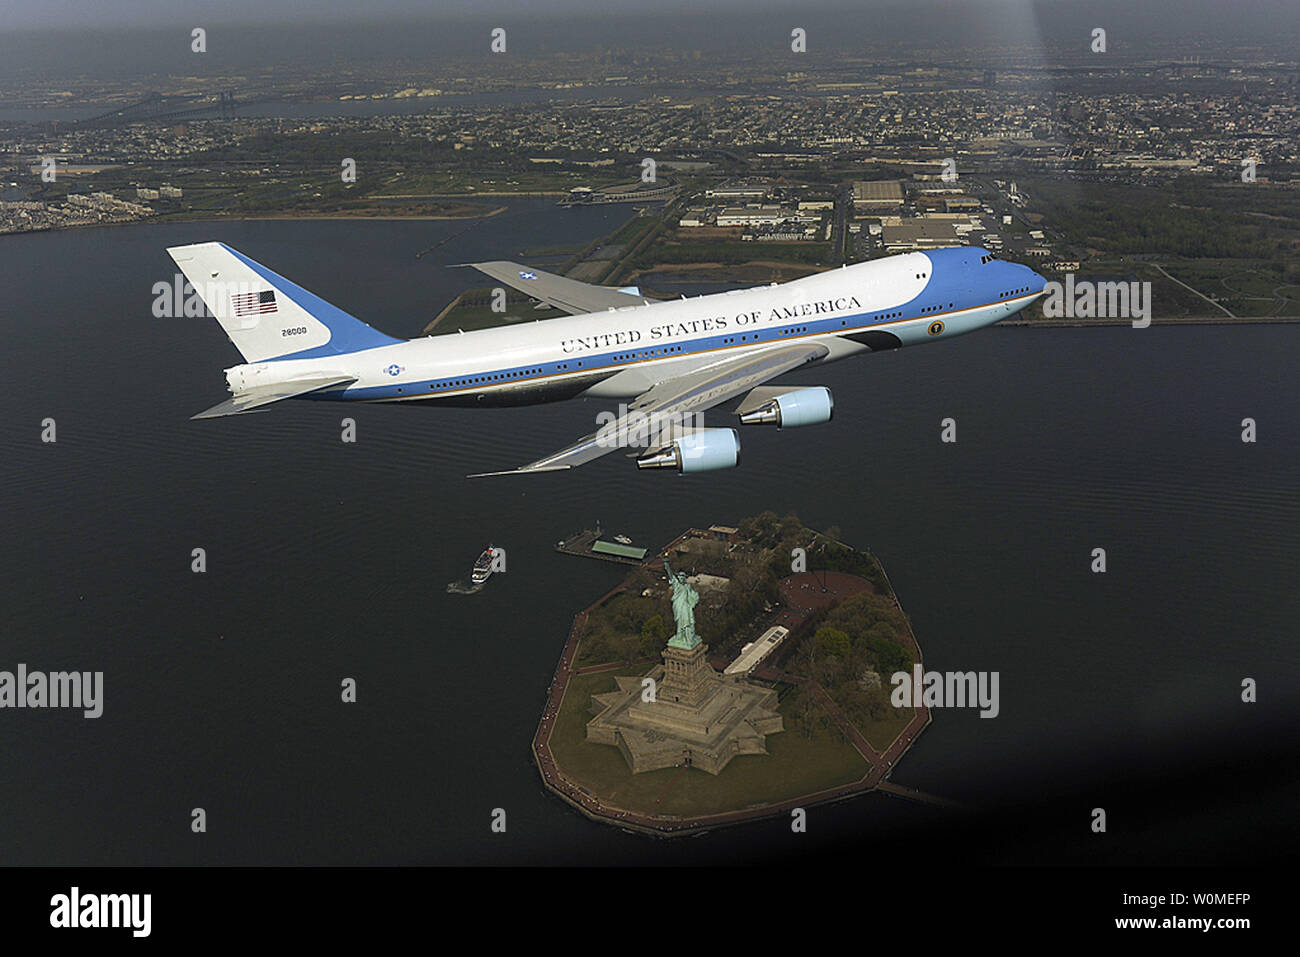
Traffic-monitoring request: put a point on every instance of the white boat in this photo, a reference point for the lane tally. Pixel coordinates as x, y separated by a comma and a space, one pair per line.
483, 567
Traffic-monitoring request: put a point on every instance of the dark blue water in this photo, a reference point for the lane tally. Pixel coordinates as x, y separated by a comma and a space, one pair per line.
328, 561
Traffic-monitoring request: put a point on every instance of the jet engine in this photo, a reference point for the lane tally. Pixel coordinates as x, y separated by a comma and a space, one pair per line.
788, 410
702, 451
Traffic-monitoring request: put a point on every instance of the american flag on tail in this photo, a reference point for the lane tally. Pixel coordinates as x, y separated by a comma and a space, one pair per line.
254, 303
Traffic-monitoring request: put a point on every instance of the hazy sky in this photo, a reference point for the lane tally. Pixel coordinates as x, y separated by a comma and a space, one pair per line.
1264, 15
108, 39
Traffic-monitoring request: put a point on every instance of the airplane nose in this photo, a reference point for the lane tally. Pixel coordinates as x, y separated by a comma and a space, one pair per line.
1036, 282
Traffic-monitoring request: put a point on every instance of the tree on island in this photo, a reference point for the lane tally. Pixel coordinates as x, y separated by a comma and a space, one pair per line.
832, 641
654, 635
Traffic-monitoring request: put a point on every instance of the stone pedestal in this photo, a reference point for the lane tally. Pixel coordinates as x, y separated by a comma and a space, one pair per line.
697, 718
689, 679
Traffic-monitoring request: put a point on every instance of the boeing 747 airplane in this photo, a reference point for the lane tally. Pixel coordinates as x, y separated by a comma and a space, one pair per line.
668, 360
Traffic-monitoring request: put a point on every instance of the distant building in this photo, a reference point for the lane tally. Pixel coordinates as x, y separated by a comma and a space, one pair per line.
877, 195
751, 216
704, 582
913, 234
694, 217
738, 190
620, 551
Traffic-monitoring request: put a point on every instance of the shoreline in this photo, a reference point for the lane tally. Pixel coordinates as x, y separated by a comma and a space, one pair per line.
1058, 323
332, 217
268, 217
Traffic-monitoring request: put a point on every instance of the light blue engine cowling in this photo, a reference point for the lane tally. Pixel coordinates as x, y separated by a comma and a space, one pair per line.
789, 410
703, 451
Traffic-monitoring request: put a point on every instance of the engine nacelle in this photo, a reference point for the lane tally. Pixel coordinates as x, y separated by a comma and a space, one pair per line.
703, 451
792, 409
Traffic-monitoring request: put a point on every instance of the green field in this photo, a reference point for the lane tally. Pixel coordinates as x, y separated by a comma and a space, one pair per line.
1247, 287
1191, 218
881, 732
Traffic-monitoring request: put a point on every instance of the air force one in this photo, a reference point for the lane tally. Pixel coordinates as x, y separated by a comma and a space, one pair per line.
669, 361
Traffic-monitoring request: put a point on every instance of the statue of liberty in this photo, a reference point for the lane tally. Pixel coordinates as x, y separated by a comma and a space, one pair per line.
685, 598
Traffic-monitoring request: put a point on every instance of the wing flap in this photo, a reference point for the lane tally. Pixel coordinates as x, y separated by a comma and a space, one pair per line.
673, 399
254, 399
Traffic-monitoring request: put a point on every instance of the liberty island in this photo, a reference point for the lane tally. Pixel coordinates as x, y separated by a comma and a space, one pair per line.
716, 715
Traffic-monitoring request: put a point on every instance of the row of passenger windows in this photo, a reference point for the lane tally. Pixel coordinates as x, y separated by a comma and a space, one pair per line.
500, 376
623, 357
648, 352
1015, 292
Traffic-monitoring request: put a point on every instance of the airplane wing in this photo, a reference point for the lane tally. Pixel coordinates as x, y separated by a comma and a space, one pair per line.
570, 295
674, 398
251, 399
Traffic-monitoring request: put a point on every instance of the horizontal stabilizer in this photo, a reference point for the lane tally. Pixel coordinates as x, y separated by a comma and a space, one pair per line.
254, 399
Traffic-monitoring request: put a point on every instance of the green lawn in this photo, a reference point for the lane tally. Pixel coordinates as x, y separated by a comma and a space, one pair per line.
881, 733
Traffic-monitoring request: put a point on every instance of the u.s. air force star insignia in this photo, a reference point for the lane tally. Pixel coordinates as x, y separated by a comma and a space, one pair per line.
394, 369
528, 275
936, 327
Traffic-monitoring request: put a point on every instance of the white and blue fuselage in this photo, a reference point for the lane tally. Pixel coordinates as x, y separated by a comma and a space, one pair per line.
620, 353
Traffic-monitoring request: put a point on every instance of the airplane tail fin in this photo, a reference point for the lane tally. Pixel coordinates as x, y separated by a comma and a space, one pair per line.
265, 315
